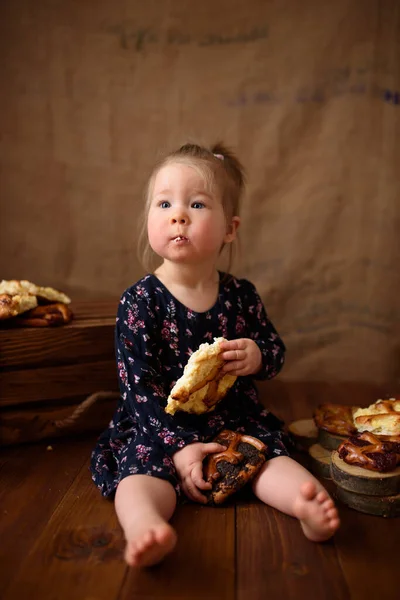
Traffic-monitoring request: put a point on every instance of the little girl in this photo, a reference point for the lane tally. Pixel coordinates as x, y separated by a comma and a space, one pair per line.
146, 457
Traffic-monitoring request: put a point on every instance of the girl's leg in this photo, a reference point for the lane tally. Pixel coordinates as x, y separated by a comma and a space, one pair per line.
144, 505
286, 485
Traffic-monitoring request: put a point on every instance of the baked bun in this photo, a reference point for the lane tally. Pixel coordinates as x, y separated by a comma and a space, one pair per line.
368, 451
335, 418
43, 294
202, 384
381, 418
230, 470
13, 305
49, 315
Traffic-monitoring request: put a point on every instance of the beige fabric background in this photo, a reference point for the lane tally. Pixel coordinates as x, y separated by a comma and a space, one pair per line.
307, 92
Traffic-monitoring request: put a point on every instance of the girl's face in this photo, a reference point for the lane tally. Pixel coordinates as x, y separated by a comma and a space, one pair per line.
186, 223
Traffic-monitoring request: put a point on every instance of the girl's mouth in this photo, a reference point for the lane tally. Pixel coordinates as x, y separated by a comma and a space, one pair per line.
180, 239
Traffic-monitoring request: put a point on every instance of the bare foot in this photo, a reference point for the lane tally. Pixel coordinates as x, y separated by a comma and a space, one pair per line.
316, 512
149, 543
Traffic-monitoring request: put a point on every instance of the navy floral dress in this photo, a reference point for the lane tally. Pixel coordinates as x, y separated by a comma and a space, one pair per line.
155, 335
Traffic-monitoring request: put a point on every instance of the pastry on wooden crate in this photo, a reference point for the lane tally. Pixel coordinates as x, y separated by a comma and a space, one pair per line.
230, 470
12, 306
380, 418
39, 306
43, 294
202, 384
334, 423
48, 315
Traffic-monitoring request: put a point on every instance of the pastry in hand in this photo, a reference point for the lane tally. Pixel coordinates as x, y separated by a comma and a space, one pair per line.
230, 470
202, 384
381, 418
335, 418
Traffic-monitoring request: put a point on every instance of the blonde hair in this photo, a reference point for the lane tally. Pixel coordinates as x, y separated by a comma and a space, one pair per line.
220, 169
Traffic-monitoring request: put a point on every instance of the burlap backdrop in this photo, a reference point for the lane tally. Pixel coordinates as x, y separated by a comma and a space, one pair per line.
307, 92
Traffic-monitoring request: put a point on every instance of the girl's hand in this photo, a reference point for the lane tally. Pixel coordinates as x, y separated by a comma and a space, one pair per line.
244, 357
188, 463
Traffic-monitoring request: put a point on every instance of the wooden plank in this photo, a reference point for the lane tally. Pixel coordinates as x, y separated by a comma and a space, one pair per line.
65, 381
32, 484
77, 554
201, 566
95, 309
29, 348
275, 559
368, 550
39, 423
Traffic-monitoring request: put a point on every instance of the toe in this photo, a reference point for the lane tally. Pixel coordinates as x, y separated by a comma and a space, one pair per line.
332, 513
308, 490
328, 504
322, 496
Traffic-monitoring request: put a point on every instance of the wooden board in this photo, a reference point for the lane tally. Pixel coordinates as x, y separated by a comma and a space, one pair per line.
368, 548
275, 559
66, 381
383, 506
328, 440
304, 432
40, 347
38, 423
202, 566
82, 536
33, 482
320, 461
363, 481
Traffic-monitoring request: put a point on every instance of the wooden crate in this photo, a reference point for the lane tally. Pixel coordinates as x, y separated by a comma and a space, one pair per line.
45, 373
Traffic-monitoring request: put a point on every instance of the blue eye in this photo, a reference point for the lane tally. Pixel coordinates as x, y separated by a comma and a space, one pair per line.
165, 204
197, 205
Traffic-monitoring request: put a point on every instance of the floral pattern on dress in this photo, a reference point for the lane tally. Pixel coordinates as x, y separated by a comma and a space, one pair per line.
154, 336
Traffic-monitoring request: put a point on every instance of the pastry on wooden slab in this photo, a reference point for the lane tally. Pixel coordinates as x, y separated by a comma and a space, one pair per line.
380, 418
230, 470
43, 294
334, 423
13, 305
369, 451
202, 384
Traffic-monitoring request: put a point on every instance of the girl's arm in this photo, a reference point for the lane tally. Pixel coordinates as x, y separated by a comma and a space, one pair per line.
142, 386
264, 334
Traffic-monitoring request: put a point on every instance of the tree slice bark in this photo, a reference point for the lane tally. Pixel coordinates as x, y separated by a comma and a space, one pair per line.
304, 432
320, 461
383, 506
363, 481
330, 441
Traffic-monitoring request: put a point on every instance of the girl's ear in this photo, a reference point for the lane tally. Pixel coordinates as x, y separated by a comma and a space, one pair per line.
232, 229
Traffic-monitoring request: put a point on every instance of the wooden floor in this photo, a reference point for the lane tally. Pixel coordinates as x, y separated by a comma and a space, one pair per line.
60, 540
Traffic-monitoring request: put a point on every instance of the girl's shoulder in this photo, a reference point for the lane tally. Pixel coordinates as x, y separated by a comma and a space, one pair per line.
236, 285
144, 292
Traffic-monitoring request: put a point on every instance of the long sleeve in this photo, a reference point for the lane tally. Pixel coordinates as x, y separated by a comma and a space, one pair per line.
143, 388
264, 334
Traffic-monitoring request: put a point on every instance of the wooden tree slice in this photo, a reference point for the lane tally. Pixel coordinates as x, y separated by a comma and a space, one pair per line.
383, 506
330, 441
305, 432
364, 481
320, 461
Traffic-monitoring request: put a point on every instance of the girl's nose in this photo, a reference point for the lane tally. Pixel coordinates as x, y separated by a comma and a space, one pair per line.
179, 218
